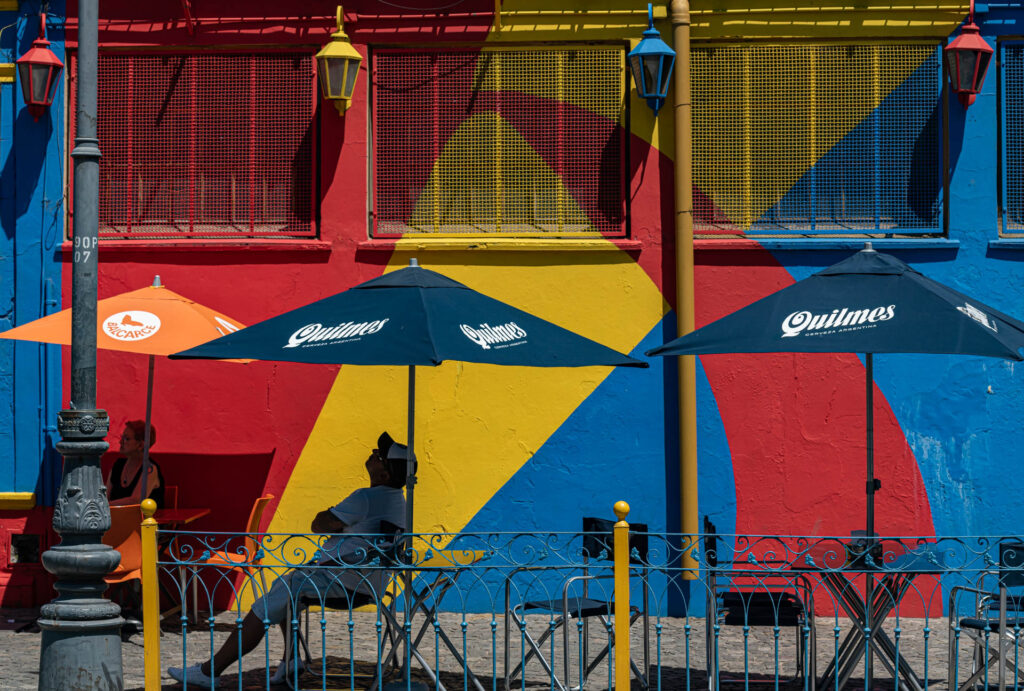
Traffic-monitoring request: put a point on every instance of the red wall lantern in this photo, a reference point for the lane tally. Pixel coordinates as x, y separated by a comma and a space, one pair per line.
967, 59
39, 70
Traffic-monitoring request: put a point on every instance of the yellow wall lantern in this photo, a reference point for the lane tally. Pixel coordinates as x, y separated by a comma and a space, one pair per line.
338, 65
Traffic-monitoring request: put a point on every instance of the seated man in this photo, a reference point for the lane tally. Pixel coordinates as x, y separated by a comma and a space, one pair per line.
362, 512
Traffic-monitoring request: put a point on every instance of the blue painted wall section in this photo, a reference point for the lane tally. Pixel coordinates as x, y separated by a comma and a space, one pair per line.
626, 451
32, 225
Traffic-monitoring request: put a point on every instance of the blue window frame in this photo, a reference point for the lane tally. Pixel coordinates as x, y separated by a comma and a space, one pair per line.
1011, 94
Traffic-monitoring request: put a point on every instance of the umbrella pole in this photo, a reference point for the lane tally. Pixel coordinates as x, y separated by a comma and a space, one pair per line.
869, 539
149, 419
872, 484
410, 455
410, 484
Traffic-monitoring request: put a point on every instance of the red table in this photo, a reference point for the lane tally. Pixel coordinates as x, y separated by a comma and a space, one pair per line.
173, 517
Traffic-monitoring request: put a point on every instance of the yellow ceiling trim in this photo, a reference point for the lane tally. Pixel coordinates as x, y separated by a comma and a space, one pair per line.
517, 243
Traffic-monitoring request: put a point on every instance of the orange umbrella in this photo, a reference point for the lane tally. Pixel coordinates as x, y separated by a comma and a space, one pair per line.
152, 321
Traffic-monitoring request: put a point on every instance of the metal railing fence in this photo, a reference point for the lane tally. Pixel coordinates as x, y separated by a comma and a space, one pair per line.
499, 610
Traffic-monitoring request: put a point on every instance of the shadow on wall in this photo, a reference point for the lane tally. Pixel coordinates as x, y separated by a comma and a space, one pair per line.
23, 167
227, 484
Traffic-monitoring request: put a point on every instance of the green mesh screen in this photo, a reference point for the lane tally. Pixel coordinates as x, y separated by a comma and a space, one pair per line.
510, 141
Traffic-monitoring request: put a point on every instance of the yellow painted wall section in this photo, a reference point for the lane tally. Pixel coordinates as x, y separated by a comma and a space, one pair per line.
476, 424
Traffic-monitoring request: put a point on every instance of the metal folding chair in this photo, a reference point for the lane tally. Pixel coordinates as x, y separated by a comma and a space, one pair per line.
383, 553
436, 573
746, 597
597, 547
997, 640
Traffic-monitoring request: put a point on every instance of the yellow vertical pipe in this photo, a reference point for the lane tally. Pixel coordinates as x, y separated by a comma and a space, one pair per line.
150, 597
622, 615
680, 11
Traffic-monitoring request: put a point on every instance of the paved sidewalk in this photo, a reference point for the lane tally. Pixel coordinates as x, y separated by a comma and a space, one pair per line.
482, 639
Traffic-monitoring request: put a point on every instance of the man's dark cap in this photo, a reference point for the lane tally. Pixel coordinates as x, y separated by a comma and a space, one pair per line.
390, 449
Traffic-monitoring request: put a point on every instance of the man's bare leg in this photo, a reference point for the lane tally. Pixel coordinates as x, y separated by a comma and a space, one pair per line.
251, 634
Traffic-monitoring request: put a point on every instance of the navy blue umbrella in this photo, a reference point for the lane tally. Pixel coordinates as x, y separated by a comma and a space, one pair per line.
411, 317
868, 303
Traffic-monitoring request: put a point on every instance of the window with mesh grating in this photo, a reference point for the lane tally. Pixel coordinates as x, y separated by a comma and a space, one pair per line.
1012, 88
205, 146
514, 141
817, 140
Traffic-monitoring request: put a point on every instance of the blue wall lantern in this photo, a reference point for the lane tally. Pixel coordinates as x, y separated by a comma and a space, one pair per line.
651, 63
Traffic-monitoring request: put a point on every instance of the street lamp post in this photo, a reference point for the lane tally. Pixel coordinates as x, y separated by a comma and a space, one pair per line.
81, 641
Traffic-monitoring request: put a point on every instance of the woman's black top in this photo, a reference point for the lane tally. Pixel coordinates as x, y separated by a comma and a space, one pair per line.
119, 492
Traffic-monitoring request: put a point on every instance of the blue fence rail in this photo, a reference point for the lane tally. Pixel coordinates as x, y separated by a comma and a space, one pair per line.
492, 611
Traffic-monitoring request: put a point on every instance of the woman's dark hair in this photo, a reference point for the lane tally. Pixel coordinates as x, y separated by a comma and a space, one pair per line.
138, 428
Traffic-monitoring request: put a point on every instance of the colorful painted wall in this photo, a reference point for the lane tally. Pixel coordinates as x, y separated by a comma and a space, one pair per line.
781, 437
284, 428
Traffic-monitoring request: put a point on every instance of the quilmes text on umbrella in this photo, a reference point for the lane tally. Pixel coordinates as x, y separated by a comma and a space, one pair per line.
318, 334
799, 322
503, 336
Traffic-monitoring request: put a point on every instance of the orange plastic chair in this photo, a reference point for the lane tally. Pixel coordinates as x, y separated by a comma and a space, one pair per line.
242, 561
125, 535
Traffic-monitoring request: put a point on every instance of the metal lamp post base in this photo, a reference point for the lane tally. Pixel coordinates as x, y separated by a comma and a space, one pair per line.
81, 630
82, 653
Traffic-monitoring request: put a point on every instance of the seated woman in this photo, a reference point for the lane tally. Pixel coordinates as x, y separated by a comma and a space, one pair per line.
123, 483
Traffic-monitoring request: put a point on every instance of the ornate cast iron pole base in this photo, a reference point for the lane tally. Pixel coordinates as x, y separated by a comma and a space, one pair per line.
81, 640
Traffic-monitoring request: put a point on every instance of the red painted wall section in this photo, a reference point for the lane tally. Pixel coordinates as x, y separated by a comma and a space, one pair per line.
652, 213
25, 584
802, 474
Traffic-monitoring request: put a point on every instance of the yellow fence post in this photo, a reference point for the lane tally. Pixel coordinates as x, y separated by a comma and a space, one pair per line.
622, 614
150, 597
